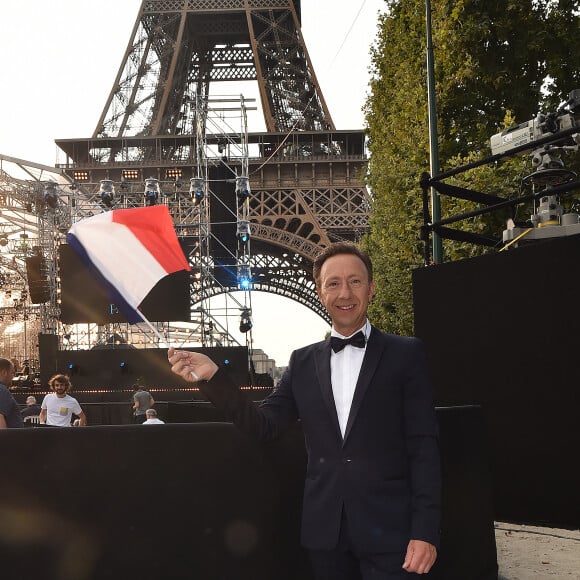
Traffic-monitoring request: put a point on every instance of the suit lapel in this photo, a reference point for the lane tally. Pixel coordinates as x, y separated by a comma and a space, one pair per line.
322, 361
373, 355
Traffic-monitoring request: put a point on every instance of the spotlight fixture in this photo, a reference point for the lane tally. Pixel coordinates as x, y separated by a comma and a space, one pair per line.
245, 320
81, 175
51, 194
243, 231
242, 188
130, 175
173, 173
72, 369
244, 277
152, 191
107, 192
196, 189
222, 144
3, 239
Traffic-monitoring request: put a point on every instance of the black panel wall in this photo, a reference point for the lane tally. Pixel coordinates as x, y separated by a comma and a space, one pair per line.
47, 353
123, 367
501, 331
200, 502
223, 244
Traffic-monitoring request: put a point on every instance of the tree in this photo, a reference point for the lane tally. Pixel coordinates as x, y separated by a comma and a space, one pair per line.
495, 64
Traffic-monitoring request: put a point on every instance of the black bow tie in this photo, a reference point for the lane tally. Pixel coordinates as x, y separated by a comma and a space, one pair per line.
358, 340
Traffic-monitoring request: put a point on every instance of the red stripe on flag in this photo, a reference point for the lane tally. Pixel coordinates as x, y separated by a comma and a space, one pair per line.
153, 227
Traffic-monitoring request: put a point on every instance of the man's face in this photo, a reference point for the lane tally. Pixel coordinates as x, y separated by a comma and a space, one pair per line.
345, 291
7, 375
60, 388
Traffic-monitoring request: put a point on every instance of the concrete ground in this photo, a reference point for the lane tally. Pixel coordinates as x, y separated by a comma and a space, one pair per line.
536, 553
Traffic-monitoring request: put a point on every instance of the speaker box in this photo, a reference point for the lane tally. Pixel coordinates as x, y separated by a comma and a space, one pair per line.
38, 286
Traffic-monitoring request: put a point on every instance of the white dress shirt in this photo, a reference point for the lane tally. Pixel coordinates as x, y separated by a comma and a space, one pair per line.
345, 368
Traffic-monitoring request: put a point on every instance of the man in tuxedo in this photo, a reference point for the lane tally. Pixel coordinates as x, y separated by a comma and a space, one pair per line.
372, 493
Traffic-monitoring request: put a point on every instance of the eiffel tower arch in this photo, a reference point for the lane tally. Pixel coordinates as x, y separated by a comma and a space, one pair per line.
162, 122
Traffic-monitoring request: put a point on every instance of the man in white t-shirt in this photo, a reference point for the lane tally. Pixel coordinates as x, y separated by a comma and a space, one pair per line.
58, 407
152, 419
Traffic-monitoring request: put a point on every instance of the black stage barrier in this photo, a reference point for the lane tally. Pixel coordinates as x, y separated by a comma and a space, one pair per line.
500, 332
121, 366
199, 501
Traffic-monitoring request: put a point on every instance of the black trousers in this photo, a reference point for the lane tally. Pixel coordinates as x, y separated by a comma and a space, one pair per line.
345, 562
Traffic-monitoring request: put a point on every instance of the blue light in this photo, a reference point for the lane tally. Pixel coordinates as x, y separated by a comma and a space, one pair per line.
227, 361
244, 277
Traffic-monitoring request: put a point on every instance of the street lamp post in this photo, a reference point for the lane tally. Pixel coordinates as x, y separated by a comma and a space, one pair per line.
433, 136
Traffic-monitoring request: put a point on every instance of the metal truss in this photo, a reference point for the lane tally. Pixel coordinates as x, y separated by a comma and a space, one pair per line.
307, 191
29, 227
288, 275
162, 127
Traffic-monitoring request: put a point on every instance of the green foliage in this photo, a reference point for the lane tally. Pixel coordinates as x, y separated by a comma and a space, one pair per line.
496, 63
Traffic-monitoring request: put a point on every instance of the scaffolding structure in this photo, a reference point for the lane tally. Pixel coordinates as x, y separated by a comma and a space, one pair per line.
251, 210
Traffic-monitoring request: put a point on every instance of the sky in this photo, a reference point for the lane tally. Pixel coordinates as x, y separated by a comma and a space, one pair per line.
58, 64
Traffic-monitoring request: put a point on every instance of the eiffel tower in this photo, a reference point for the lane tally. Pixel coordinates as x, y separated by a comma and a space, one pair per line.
304, 178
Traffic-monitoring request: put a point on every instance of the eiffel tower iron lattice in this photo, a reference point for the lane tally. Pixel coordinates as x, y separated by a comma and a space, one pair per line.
162, 122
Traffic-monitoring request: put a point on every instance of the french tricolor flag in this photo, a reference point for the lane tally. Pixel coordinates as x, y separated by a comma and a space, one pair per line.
129, 250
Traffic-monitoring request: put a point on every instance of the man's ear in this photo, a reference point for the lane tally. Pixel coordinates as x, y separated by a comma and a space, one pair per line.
371, 290
319, 296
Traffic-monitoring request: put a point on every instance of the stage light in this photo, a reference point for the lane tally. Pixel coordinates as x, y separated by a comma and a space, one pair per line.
173, 174
3, 239
245, 321
130, 175
81, 175
243, 231
196, 189
242, 188
152, 190
51, 194
244, 276
222, 150
73, 369
107, 192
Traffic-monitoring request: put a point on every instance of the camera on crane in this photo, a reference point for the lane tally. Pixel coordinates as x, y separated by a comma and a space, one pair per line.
543, 125
559, 132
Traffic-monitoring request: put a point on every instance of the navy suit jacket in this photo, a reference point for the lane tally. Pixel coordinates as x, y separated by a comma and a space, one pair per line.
385, 472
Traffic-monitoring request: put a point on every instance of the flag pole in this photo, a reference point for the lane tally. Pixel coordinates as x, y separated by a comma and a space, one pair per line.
164, 340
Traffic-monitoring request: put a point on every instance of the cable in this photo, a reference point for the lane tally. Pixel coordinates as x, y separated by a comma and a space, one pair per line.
348, 33
315, 92
527, 531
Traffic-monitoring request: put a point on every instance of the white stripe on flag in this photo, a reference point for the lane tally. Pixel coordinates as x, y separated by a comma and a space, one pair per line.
120, 257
